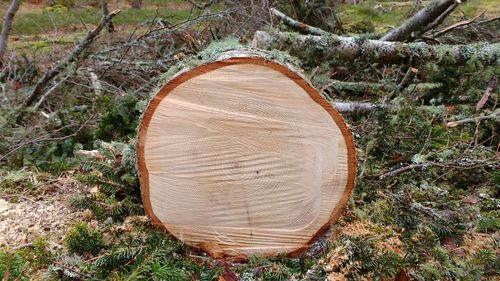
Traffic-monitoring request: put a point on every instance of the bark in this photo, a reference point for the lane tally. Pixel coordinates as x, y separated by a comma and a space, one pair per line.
319, 49
105, 11
419, 21
441, 18
7, 25
73, 56
136, 4
354, 107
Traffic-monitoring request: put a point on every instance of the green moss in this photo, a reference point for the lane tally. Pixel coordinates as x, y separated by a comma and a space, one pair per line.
214, 50
361, 26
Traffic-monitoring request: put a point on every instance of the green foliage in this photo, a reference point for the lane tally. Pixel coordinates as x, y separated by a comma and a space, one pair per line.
12, 266
120, 118
362, 26
16, 180
116, 178
58, 17
39, 255
489, 223
81, 239
151, 258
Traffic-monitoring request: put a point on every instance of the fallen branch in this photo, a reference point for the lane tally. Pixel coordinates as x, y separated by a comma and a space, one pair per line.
442, 17
454, 165
357, 88
414, 206
297, 25
409, 75
22, 246
494, 116
354, 107
456, 25
73, 56
49, 92
6, 26
488, 20
319, 49
419, 21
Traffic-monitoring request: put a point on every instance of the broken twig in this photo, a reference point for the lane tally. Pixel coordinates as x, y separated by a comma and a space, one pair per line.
297, 25
494, 116
458, 24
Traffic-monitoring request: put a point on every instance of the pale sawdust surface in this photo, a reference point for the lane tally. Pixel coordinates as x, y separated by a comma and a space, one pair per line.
46, 215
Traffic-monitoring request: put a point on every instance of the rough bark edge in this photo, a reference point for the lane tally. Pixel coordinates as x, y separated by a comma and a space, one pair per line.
248, 58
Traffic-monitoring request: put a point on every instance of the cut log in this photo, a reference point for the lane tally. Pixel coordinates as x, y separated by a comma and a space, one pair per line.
241, 157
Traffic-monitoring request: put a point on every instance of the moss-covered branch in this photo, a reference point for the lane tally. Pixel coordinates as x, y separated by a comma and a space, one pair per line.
367, 88
318, 49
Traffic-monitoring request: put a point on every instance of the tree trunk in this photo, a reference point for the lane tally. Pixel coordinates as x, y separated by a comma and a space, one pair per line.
105, 12
136, 4
318, 49
7, 25
419, 21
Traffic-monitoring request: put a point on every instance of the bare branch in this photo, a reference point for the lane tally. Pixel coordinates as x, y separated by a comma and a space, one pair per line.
458, 24
73, 56
297, 25
494, 116
455, 165
104, 8
7, 25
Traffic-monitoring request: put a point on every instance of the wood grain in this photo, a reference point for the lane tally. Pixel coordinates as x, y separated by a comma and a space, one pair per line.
243, 157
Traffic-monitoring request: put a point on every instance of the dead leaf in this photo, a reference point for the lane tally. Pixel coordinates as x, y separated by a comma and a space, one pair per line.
491, 88
16, 86
228, 275
471, 199
449, 244
402, 275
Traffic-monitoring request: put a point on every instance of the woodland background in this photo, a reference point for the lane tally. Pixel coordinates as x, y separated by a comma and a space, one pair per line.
425, 124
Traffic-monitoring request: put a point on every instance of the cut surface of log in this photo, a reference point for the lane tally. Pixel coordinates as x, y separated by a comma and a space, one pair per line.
243, 157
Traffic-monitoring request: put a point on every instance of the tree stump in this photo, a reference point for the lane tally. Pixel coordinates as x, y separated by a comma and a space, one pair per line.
241, 156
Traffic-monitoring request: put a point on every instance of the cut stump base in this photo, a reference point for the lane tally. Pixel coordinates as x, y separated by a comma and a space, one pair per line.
243, 157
